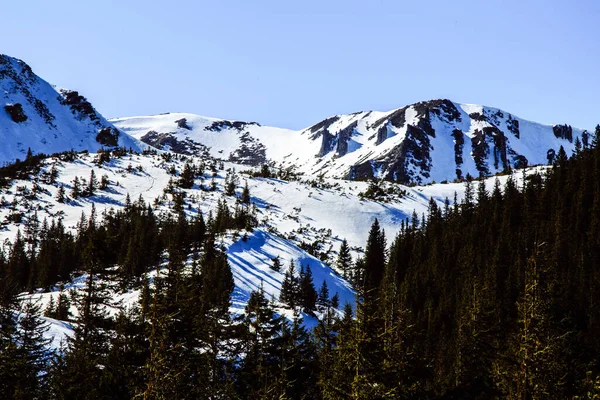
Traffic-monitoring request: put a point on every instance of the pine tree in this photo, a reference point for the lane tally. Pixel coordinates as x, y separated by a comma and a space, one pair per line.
596, 137
260, 374
34, 351
374, 259
60, 195
245, 199
231, 181
75, 189
84, 360
92, 184
276, 266
186, 180
289, 287
307, 292
323, 299
344, 260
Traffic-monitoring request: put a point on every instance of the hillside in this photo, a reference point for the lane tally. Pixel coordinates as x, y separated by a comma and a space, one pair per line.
426, 142
35, 115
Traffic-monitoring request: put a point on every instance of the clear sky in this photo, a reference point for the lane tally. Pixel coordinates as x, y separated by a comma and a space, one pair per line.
293, 63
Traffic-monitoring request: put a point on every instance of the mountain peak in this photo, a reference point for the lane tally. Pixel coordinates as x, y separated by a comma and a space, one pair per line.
433, 140
34, 115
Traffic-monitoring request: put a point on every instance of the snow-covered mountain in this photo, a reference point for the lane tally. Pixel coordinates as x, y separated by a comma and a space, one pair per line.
421, 143
35, 115
303, 219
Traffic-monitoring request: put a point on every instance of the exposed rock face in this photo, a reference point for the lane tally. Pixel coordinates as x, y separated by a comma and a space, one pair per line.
167, 141
563, 132
513, 126
250, 152
39, 117
108, 137
23, 80
80, 106
427, 141
459, 142
220, 125
343, 137
16, 112
182, 123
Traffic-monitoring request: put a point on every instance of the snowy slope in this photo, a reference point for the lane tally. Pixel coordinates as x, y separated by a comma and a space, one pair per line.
290, 214
421, 143
33, 114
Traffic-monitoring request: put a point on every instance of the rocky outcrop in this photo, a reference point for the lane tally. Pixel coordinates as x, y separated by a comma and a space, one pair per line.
16, 112
168, 141
343, 137
250, 152
459, 141
480, 148
513, 126
182, 123
79, 105
563, 132
23, 80
108, 137
223, 124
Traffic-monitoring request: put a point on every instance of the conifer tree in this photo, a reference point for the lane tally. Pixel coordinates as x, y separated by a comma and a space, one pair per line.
245, 199
75, 188
92, 184
374, 259
276, 264
60, 194
344, 260
308, 293
323, 299
289, 287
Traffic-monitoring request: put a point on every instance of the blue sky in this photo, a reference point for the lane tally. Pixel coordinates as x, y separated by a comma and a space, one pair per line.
293, 63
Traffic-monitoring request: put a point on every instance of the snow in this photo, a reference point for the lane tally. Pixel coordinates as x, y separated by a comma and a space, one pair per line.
299, 149
250, 264
64, 131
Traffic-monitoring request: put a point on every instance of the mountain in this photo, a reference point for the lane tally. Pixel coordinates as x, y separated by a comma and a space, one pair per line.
426, 142
37, 116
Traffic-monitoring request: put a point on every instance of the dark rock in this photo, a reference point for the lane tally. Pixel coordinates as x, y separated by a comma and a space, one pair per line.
79, 105
412, 154
478, 117
251, 151
182, 123
550, 156
563, 132
323, 125
443, 108
499, 141
167, 141
480, 151
459, 141
382, 134
397, 119
220, 125
520, 161
327, 142
513, 126
16, 112
108, 137
343, 137
361, 172
23, 77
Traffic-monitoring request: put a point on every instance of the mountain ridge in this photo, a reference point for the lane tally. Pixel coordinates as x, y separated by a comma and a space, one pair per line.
419, 143
37, 116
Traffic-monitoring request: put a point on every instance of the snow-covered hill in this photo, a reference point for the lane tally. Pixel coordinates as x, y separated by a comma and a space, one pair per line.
303, 221
35, 115
421, 143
